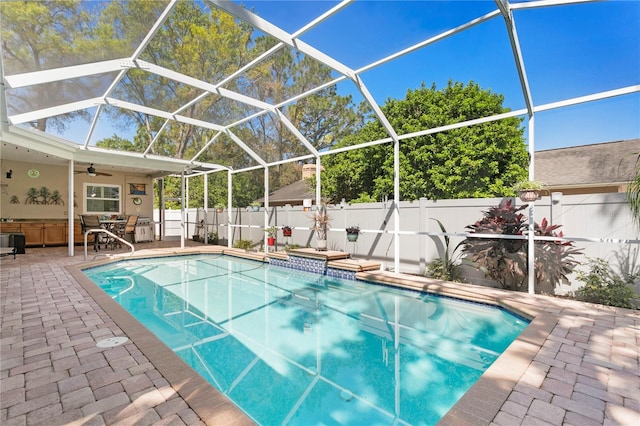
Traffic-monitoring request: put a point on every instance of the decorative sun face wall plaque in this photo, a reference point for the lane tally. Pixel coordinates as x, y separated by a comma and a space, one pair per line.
33, 173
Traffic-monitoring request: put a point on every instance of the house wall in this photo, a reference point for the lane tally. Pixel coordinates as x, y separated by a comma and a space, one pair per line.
55, 177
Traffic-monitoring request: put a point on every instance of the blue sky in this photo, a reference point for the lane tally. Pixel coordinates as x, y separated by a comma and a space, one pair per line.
568, 51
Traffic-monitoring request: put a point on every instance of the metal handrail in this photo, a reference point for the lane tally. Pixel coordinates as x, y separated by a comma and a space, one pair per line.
104, 231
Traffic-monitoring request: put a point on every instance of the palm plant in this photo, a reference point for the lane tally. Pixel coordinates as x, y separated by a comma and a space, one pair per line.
633, 194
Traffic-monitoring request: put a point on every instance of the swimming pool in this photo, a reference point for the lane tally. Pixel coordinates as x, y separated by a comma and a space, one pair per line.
290, 347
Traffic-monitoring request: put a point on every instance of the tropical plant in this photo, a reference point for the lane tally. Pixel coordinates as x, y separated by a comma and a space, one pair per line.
505, 260
603, 286
445, 268
14, 200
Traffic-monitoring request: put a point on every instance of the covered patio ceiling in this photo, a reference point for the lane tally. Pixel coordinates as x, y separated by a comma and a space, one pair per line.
223, 113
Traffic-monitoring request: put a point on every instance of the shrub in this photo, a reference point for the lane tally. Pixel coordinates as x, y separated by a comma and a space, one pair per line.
212, 238
605, 287
505, 260
445, 268
243, 244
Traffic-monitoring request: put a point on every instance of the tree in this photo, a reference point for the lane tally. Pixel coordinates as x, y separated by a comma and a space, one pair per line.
42, 35
483, 160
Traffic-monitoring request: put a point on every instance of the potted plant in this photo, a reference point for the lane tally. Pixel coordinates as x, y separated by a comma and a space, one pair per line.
219, 208
255, 206
321, 220
352, 233
529, 190
271, 235
286, 231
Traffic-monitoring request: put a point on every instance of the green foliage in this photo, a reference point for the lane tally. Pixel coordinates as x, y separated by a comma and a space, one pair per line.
40, 35
445, 268
243, 244
534, 185
633, 194
605, 287
505, 260
484, 160
272, 231
212, 237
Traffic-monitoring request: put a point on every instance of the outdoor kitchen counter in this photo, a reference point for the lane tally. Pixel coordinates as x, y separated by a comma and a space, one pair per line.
42, 232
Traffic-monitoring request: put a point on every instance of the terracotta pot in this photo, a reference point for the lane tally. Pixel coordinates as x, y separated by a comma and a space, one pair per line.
528, 195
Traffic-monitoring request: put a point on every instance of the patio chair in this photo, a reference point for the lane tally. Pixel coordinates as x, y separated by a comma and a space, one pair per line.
128, 228
89, 221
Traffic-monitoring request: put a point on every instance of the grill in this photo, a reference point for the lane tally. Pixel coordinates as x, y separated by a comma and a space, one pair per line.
144, 230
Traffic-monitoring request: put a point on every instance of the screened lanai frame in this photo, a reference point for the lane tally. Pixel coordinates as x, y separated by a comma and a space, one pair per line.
116, 70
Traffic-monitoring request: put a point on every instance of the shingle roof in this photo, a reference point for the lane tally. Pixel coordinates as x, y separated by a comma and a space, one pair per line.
291, 194
611, 162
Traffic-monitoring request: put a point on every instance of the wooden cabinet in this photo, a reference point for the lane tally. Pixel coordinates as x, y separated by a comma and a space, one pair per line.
33, 233
9, 227
55, 234
40, 233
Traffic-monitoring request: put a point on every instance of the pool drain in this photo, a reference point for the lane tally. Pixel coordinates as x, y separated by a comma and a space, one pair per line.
112, 341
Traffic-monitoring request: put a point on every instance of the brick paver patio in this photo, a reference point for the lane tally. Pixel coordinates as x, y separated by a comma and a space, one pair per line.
576, 364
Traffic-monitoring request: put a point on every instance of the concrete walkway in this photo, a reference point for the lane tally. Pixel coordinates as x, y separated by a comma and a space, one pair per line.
579, 364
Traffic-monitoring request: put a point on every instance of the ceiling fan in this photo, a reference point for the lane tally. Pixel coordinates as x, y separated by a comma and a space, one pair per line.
91, 171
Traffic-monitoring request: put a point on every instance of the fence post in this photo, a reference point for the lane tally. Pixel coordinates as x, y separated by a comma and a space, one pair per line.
556, 207
423, 216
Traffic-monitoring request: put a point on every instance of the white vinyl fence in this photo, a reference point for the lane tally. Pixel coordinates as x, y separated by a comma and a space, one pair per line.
599, 224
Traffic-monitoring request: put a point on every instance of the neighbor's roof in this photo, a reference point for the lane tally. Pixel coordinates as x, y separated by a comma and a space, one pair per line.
602, 163
291, 194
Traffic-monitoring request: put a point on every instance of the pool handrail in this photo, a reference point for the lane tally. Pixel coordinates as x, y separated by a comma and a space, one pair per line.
111, 234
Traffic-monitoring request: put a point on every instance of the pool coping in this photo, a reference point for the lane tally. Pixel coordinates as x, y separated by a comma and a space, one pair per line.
480, 404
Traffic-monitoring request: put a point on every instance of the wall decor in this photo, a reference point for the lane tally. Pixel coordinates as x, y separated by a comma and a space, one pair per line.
33, 173
137, 189
44, 196
137, 201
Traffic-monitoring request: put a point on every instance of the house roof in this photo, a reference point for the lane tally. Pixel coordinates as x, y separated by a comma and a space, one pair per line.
291, 194
602, 163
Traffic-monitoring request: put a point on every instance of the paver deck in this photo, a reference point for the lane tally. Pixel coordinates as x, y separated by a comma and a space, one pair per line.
576, 364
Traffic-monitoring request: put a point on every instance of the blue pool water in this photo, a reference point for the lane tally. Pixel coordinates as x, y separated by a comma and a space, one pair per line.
291, 347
